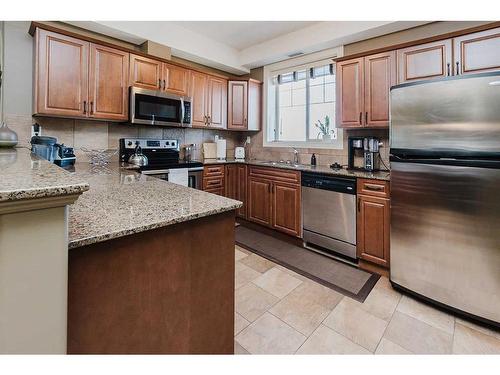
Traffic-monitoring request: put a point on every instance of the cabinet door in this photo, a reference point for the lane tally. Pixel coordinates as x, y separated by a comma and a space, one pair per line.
286, 208
478, 52
236, 185
259, 201
145, 72
241, 194
217, 102
349, 91
373, 229
380, 75
108, 83
254, 111
237, 105
425, 61
61, 84
198, 87
176, 79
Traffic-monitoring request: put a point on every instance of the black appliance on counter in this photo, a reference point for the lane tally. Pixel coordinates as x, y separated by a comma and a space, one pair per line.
163, 155
363, 153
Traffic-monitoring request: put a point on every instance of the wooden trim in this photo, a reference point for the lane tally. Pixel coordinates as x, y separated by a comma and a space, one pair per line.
34, 25
435, 38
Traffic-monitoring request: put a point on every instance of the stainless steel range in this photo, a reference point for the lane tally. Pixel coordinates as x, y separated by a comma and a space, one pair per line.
445, 208
163, 158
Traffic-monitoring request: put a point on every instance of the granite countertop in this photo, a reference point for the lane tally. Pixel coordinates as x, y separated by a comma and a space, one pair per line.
26, 176
379, 175
121, 202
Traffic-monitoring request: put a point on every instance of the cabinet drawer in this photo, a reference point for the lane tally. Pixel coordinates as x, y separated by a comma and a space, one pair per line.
213, 171
213, 182
276, 174
376, 188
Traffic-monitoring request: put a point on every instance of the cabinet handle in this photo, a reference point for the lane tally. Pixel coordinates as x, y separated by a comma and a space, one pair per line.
366, 118
209, 119
84, 107
448, 69
205, 119
91, 107
458, 72
374, 187
360, 118
164, 85
159, 83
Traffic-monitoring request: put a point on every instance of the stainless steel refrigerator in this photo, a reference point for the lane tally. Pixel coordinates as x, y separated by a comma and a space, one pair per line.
445, 192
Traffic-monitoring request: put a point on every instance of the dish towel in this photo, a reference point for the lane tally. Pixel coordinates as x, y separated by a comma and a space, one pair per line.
178, 176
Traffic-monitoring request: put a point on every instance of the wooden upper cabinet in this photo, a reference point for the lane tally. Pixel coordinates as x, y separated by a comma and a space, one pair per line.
478, 52
217, 102
61, 86
380, 75
350, 98
198, 91
176, 79
108, 83
244, 105
237, 105
425, 61
145, 72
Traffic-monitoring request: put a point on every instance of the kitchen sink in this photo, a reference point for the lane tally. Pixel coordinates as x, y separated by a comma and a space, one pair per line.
282, 163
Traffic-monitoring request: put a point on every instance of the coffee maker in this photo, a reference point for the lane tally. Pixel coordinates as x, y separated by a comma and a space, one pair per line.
371, 147
363, 153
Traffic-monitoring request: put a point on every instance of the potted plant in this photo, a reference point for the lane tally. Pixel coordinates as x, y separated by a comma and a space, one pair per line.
324, 128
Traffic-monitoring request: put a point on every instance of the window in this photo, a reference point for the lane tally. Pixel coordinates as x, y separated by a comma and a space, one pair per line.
303, 100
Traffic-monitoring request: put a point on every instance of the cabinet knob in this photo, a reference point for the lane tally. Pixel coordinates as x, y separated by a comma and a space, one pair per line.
91, 108
448, 69
159, 83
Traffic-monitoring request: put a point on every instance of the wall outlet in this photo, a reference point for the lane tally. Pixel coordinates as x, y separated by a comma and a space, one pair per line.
248, 140
35, 128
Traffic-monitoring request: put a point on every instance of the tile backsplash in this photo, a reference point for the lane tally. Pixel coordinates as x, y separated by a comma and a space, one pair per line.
105, 135
323, 156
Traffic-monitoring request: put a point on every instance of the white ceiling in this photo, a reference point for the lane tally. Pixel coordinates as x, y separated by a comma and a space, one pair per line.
243, 34
238, 46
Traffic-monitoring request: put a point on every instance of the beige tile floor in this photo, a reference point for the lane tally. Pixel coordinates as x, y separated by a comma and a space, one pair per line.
281, 312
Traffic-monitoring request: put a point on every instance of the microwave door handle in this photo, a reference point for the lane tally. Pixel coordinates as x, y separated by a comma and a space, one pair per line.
182, 112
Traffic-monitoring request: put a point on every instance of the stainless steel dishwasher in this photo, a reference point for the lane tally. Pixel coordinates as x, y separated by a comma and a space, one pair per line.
329, 214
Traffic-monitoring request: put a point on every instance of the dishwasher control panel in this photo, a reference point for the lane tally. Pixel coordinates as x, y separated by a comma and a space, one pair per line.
327, 182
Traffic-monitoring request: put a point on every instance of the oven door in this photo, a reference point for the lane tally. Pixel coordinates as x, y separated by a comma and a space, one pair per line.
155, 107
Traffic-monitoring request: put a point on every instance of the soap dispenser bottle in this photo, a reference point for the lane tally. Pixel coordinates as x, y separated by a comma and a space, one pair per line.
313, 160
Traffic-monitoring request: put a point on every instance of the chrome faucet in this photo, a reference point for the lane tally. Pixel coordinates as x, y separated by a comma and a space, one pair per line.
295, 156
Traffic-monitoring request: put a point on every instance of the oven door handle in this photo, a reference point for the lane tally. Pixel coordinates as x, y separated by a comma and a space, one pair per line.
181, 122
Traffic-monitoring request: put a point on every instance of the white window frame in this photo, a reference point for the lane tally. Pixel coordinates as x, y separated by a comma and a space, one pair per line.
303, 62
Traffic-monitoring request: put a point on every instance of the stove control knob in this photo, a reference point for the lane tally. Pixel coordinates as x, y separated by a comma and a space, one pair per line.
129, 143
167, 143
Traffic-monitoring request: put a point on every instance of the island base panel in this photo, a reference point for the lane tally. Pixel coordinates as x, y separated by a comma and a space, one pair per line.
164, 291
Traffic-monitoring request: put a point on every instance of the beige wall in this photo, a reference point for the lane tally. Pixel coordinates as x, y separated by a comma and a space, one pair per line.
420, 32
18, 86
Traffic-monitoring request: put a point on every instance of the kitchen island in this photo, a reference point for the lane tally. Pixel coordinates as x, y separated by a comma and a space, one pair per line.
151, 266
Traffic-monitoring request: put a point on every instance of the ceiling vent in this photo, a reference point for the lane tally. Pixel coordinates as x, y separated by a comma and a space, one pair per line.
295, 54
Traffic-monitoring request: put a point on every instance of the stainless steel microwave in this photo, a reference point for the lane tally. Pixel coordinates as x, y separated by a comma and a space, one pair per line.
151, 107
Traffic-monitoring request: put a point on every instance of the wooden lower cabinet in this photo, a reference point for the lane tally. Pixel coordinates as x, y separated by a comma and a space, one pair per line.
236, 186
213, 179
373, 225
259, 201
274, 199
287, 208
